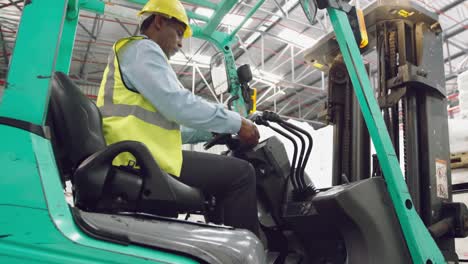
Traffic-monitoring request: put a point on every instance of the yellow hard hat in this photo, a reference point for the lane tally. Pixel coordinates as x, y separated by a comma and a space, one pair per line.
172, 8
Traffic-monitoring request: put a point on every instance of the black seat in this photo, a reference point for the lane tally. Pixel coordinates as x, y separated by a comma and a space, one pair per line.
83, 157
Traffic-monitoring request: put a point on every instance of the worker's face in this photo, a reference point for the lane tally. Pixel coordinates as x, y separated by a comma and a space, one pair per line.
171, 35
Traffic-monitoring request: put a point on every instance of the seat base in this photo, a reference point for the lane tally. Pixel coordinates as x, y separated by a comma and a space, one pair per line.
207, 243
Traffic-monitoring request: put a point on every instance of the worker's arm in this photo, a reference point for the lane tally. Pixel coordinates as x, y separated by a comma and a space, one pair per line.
193, 136
145, 69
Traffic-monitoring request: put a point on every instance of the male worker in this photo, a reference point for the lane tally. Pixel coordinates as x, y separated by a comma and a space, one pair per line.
141, 99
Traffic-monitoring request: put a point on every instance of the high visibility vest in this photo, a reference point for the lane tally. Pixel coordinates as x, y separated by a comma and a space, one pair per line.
127, 115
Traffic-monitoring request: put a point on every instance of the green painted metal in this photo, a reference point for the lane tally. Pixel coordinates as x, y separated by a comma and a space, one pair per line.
310, 10
421, 245
31, 89
219, 39
249, 15
31, 237
231, 71
63, 220
96, 6
70, 23
223, 8
36, 225
223, 42
141, 2
197, 16
18, 185
67, 42
73, 9
27, 160
35, 218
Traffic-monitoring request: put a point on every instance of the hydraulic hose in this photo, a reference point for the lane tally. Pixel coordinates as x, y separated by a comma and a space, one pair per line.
293, 168
230, 101
273, 117
299, 180
288, 126
309, 148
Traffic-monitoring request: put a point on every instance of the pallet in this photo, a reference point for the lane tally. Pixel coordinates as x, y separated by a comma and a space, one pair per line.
459, 160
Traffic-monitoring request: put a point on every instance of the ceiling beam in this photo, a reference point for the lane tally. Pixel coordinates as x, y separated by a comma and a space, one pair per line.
86, 55
450, 6
446, 37
12, 3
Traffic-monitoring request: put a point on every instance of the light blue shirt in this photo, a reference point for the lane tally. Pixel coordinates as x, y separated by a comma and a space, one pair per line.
145, 69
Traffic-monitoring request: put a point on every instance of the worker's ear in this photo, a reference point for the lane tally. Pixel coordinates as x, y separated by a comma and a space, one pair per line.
158, 22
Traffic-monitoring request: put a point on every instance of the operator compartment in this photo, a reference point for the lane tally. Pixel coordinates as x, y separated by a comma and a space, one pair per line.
127, 205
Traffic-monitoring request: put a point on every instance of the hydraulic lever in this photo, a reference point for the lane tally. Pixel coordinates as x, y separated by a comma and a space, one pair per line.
309, 148
304, 189
299, 181
260, 121
275, 118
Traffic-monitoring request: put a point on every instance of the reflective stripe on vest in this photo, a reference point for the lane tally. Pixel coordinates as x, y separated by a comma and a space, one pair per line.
129, 116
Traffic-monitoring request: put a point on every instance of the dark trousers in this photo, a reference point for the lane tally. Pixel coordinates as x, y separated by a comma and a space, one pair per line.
230, 180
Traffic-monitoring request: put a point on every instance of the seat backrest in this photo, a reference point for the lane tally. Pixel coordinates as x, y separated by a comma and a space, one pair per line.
80, 150
75, 123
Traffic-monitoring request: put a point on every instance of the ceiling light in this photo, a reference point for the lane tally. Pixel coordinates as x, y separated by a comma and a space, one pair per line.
297, 38
270, 76
235, 20
276, 96
251, 39
201, 59
229, 19
204, 12
263, 81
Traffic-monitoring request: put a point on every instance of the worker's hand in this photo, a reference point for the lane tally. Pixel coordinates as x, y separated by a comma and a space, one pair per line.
248, 134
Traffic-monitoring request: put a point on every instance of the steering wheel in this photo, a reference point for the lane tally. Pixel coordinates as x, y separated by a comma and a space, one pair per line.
231, 141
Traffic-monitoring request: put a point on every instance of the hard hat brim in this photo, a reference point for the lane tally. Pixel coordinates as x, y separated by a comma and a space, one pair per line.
188, 30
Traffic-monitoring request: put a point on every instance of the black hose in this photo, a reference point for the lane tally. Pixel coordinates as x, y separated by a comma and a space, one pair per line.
293, 164
231, 100
299, 180
270, 116
309, 149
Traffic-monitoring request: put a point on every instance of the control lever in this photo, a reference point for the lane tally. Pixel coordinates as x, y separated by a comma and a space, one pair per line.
309, 149
231, 100
222, 139
260, 121
277, 119
310, 189
273, 117
299, 180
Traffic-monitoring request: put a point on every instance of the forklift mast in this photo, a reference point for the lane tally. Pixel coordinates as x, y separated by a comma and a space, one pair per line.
410, 95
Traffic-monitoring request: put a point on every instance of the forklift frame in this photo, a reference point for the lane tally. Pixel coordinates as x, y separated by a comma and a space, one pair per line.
28, 160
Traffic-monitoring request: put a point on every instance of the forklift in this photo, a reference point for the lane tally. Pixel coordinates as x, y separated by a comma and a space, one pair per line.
411, 95
352, 221
52, 133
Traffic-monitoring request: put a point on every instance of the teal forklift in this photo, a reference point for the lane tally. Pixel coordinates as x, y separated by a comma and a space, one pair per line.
51, 133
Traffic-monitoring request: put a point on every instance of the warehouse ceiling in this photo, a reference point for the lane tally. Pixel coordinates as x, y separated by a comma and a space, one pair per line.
273, 42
